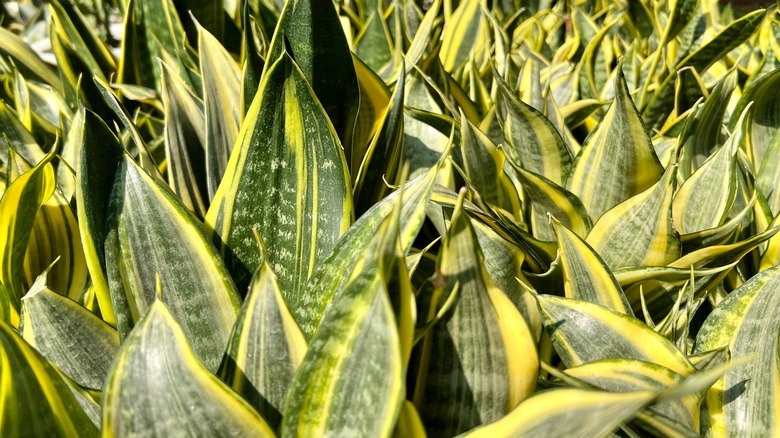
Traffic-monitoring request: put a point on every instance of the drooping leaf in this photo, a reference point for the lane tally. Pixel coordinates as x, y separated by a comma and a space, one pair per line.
157, 385
567, 412
617, 160
287, 177
150, 233
584, 332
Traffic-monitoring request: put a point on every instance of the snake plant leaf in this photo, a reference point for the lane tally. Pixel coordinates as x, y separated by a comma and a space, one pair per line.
381, 159
33, 388
421, 34
157, 385
331, 275
680, 14
374, 101
639, 231
373, 43
252, 63
586, 276
742, 403
721, 235
152, 31
20, 205
17, 137
707, 121
26, 60
532, 141
137, 145
74, 28
706, 197
221, 98
483, 162
583, 332
351, 381
185, 138
591, 74
409, 424
287, 177
547, 198
724, 42
265, 348
763, 136
617, 160
71, 337
465, 34
626, 375
97, 164
473, 334
56, 236
570, 412
324, 59
150, 233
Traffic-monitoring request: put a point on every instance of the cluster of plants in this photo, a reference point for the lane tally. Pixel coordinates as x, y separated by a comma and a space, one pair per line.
390, 218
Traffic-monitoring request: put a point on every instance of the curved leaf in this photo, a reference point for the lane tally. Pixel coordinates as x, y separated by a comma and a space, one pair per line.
584, 332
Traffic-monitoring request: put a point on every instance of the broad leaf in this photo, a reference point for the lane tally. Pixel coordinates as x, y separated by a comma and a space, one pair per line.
287, 177
617, 160
158, 384
150, 233
68, 335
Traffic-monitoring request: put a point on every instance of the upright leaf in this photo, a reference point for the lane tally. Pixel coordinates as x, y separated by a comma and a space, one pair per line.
351, 381
150, 233
185, 138
157, 385
617, 160
586, 276
265, 348
100, 155
287, 177
474, 388
639, 231
34, 389
744, 402
19, 206
221, 102
331, 275
311, 32
533, 142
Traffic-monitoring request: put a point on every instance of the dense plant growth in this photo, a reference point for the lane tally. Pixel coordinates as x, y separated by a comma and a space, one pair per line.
375, 218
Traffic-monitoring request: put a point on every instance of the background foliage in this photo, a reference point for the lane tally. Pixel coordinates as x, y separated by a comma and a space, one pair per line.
376, 218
